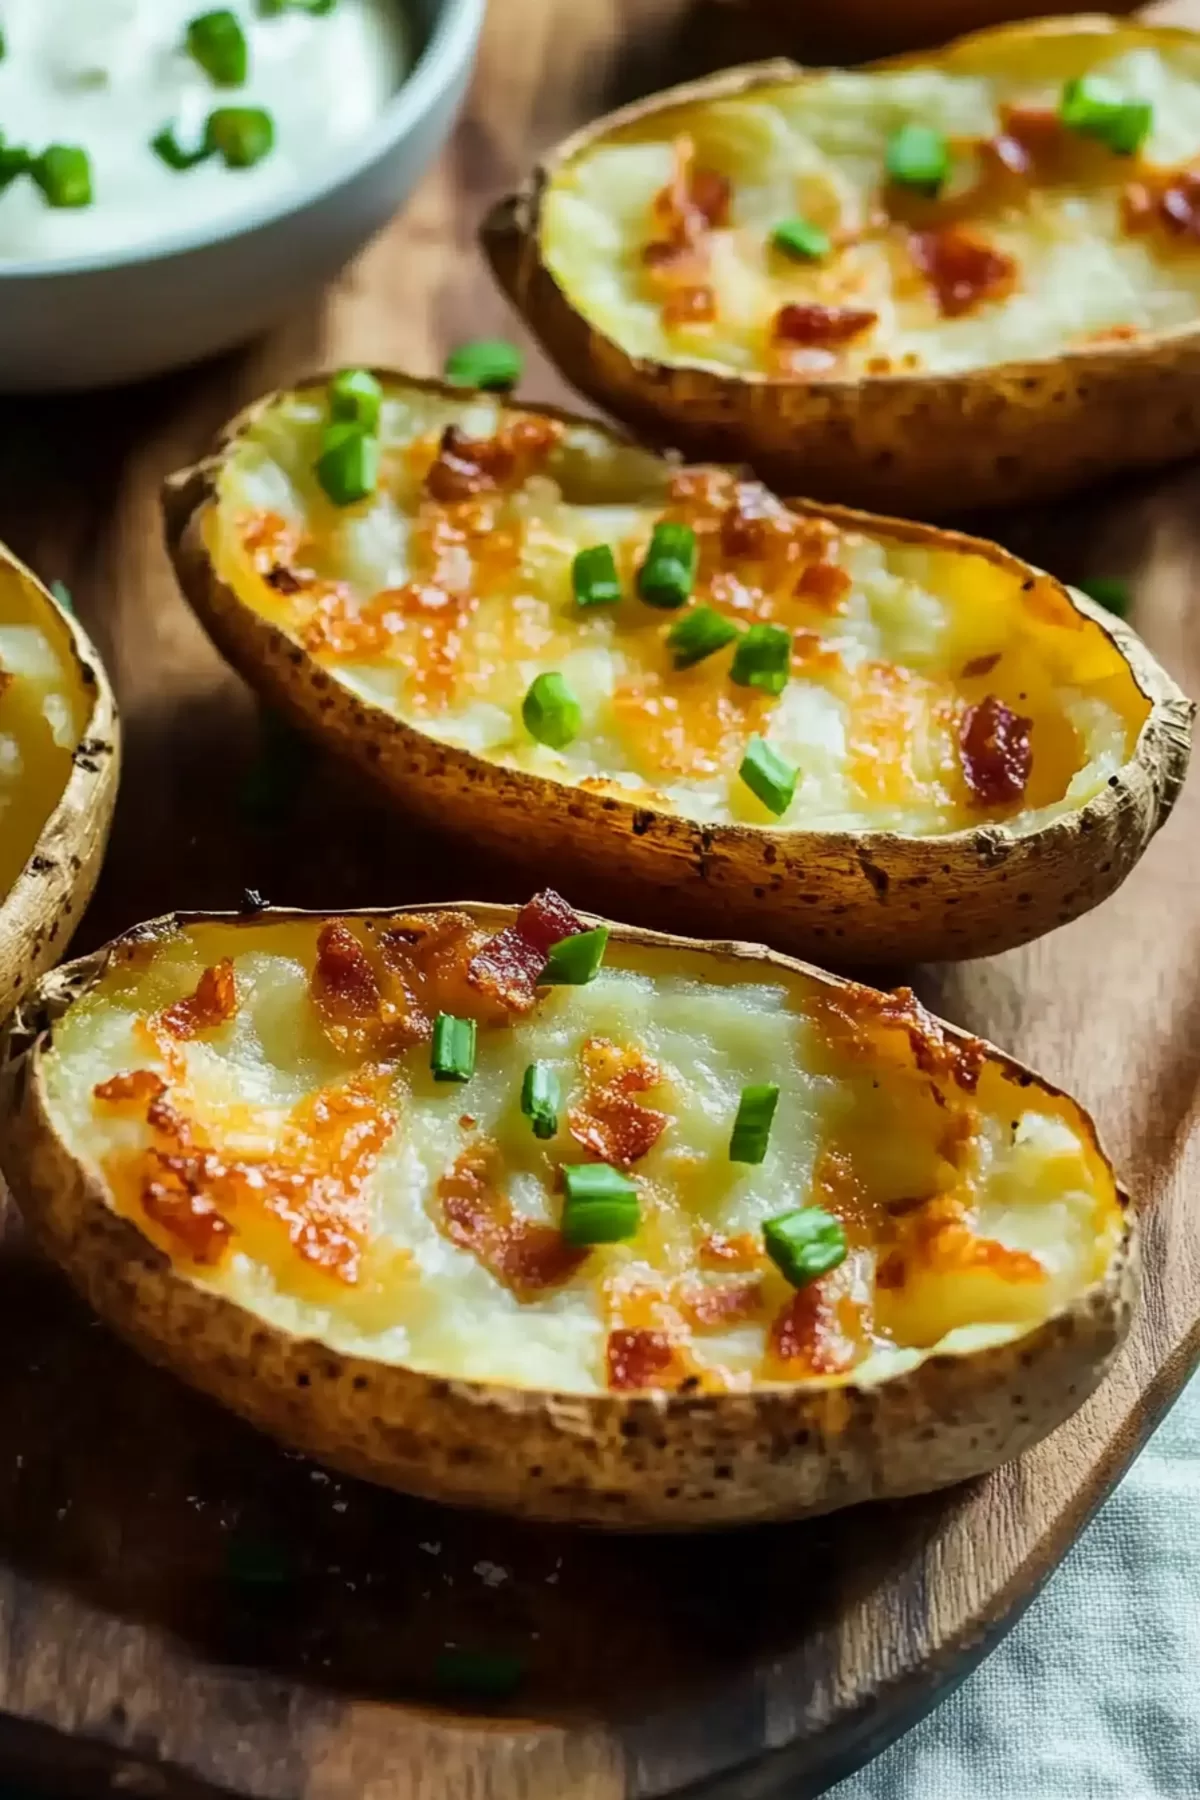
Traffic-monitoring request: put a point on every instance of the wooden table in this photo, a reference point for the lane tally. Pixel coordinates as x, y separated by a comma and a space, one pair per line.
130, 1654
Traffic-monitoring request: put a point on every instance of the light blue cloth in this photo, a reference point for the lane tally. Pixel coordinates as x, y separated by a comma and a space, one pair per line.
1095, 1694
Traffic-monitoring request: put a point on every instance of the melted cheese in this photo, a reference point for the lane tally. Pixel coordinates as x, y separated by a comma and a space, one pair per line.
972, 1212
41, 718
815, 147
442, 614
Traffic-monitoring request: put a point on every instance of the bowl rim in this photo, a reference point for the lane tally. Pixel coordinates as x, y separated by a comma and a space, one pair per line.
451, 34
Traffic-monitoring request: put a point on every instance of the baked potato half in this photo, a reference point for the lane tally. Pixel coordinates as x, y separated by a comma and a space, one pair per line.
517, 1210
59, 756
938, 283
848, 735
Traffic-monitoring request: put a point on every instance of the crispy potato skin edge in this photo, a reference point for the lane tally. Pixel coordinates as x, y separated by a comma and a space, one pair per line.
925, 445
858, 899
39, 915
648, 1461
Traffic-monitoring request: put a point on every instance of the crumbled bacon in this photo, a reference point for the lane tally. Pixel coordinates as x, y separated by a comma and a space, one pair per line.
821, 327
939, 1236
716, 1251
507, 967
6, 681
825, 585
996, 752
710, 1305
690, 306
270, 540
815, 1333
981, 665
609, 1122
854, 1019
527, 1256
134, 1087
283, 579
356, 1015
171, 1200
694, 202
1168, 198
465, 467
962, 268
214, 1003
641, 1359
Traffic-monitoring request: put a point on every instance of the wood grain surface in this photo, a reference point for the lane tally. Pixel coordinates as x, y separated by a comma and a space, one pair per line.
184, 1608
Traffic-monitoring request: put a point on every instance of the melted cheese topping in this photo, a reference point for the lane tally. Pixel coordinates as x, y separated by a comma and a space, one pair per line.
1071, 271
416, 1222
42, 716
440, 606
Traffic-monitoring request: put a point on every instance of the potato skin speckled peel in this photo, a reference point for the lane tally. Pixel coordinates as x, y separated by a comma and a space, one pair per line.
46, 902
929, 444
651, 1460
867, 897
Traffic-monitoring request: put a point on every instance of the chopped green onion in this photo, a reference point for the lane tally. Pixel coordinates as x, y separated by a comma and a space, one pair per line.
752, 1126
918, 157
62, 594
551, 711
796, 237
479, 1674
14, 160
167, 147
348, 467
594, 577
768, 777
241, 135
700, 633
574, 961
453, 1057
540, 1099
3, 44
489, 363
355, 395
1094, 108
805, 1244
64, 174
601, 1205
217, 42
763, 658
668, 574
1110, 592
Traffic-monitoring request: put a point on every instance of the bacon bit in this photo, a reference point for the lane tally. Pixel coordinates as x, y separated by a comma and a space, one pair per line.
136, 1086
214, 1003
811, 1335
716, 1251
709, 1305
996, 752
812, 656
640, 1359
526, 1256
1167, 198
855, 1020
6, 681
610, 1123
507, 967
825, 585
939, 1237
270, 540
283, 579
467, 1121
820, 327
355, 1013
962, 268
465, 467
981, 665
1114, 334
694, 202
169, 1200
690, 306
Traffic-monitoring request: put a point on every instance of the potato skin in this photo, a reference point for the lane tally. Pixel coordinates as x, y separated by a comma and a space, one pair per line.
651, 1461
860, 899
927, 445
39, 914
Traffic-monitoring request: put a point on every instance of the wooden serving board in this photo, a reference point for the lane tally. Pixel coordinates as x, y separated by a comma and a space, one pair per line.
184, 1608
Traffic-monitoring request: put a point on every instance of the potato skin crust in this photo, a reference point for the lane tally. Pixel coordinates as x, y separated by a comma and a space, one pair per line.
46, 902
651, 1461
862, 899
927, 445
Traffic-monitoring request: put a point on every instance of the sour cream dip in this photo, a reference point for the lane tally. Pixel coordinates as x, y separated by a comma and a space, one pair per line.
108, 76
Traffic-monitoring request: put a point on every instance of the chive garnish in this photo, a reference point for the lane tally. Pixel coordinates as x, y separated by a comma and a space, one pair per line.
594, 577
357, 398
453, 1054
1094, 108
574, 961
918, 157
240, 135
763, 658
489, 363
540, 1099
551, 712
752, 1126
601, 1205
15, 160
668, 574
168, 148
768, 777
217, 42
64, 174
804, 1244
796, 237
1110, 592
699, 633
348, 467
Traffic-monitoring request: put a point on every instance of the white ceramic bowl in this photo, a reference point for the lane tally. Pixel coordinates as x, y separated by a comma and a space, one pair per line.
98, 320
